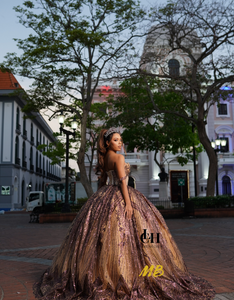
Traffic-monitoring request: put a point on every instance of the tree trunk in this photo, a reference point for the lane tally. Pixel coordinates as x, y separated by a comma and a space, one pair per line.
212, 158
81, 156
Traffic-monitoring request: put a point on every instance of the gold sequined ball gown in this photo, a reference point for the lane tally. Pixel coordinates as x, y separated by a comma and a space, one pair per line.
104, 253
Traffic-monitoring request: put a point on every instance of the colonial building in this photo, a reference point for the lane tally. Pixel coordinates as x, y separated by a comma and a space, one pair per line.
22, 167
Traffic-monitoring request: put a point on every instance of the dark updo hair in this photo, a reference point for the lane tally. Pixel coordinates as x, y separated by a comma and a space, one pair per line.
102, 149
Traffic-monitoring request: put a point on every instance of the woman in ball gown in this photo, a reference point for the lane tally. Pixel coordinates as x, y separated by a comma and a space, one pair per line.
119, 246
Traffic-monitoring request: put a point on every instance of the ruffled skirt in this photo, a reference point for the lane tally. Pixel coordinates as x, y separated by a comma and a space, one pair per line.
105, 256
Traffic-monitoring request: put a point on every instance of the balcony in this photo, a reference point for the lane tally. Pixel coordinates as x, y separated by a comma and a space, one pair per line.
171, 158
225, 158
18, 129
137, 159
24, 134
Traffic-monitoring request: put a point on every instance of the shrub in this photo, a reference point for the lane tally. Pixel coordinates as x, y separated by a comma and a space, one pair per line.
159, 206
213, 201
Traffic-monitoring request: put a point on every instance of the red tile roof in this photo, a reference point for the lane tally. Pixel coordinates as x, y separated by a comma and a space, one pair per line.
8, 81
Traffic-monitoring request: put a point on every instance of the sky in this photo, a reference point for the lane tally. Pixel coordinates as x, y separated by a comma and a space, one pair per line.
11, 28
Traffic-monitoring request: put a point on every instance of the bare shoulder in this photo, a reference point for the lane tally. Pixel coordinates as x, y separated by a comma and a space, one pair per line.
119, 158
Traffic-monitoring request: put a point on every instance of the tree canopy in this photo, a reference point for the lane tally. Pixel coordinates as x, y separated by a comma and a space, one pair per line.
74, 44
199, 35
144, 128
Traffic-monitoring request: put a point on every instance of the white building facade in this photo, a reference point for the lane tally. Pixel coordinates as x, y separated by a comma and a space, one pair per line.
23, 168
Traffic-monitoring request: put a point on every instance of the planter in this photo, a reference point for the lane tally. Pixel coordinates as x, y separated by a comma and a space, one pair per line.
166, 213
57, 218
214, 212
172, 213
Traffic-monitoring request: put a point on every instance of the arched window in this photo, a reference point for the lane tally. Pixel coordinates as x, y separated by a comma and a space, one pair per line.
226, 185
174, 67
17, 159
24, 163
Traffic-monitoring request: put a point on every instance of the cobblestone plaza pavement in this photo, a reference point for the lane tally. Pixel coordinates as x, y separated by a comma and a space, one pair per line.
26, 249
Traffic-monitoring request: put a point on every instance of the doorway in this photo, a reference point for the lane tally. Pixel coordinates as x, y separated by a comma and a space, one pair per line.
179, 186
226, 185
22, 194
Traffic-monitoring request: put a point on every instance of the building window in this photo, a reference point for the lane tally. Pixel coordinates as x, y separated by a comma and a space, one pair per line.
31, 160
24, 127
40, 164
222, 109
24, 162
32, 137
226, 185
37, 140
37, 161
17, 159
17, 119
174, 67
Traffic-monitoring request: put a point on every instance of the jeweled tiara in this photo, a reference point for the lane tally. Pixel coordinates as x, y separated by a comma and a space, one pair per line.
110, 131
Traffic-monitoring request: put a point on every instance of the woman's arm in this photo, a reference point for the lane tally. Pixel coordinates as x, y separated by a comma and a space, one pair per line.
120, 163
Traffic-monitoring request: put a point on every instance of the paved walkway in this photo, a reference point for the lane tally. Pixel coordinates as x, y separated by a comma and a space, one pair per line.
26, 250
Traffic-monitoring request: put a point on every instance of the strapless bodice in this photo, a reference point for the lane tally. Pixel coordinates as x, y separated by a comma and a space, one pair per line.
112, 178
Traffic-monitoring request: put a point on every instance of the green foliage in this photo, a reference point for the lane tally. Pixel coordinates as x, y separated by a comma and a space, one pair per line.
159, 206
213, 201
148, 129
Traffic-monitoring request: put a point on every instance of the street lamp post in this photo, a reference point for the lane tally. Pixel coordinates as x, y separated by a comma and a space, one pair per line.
218, 142
66, 206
